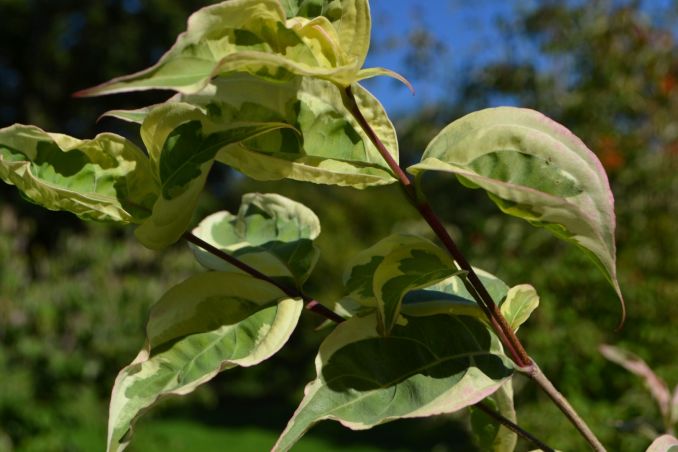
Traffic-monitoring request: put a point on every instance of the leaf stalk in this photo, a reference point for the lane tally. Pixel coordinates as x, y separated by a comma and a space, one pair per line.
310, 304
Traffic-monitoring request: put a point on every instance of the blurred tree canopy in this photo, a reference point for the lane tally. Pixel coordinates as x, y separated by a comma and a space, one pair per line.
72, 308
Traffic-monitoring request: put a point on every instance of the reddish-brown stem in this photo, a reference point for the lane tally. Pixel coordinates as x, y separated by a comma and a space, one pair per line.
311, 304
499, 324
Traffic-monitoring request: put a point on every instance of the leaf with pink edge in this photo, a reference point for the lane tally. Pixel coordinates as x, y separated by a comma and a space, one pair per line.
429, 366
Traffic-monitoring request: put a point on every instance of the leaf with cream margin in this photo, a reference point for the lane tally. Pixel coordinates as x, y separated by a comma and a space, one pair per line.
450, 296
490, 435
323, 142
182, 143
665, 443
268, 130
106, 178
135, 116
255, 36
270, 233
447, 296
405, 268
535, 169
210, 322
350, 18
359, 273
330, 146
352, 22
429, 366
520, 302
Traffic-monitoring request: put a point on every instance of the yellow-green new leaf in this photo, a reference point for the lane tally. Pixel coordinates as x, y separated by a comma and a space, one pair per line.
430, 365
256, 36
532, 168
520, 302
106, 178
208, 323
349, 18
271, 233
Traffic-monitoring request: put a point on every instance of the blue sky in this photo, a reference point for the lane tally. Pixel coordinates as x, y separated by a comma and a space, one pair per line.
467, 28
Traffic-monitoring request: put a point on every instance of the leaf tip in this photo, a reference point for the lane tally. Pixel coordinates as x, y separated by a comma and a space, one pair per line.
622, 320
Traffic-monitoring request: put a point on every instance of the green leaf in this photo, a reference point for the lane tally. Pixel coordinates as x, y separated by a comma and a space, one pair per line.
106, 178
520, 302
350, 18
405, 268
532, 168
359, 273
182, 142
330, 146
490, 435
451, 297
136, 116
271, 233
322, 143
664, 443
256, 36
431, 365
210, 322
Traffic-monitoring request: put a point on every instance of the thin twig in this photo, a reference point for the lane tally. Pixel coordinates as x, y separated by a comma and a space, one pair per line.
535, 373
310, 304
515, 428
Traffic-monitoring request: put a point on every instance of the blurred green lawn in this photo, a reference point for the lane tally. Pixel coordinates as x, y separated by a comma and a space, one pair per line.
188, 436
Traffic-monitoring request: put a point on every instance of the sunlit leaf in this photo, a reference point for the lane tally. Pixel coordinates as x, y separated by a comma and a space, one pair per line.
323, 143
350, 19
532, 168
520, 302
105, 178
260, 37
665, 443
407, 267
136, 116
431, 365
328, 146
182, 142
208, 323
271, 233
359, 274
